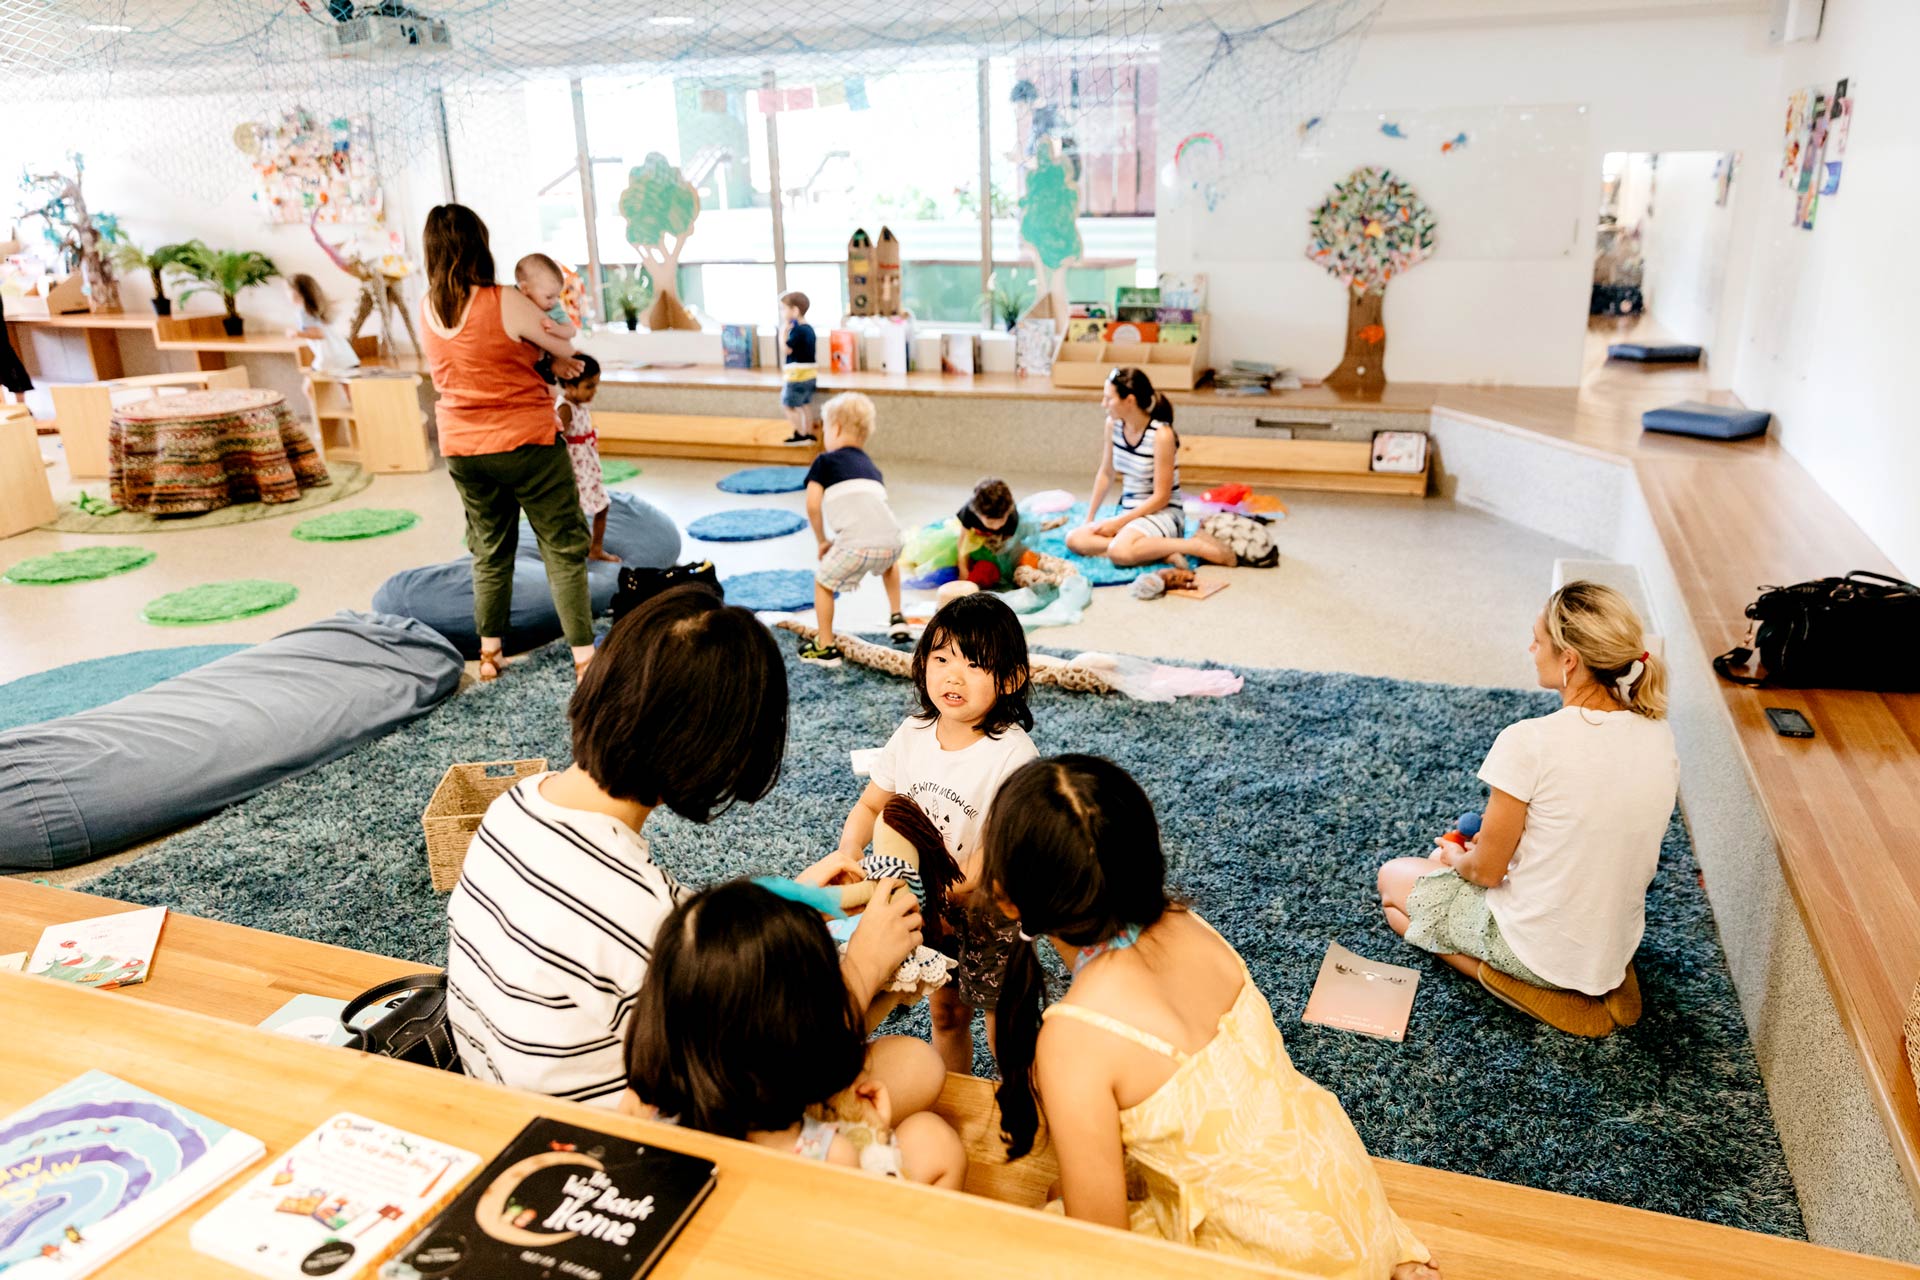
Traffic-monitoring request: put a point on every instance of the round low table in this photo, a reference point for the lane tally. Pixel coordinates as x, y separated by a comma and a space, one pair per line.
186, 454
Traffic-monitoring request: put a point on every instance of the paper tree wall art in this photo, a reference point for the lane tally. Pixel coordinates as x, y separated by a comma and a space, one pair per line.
1050, 228
660, 206
1370, 230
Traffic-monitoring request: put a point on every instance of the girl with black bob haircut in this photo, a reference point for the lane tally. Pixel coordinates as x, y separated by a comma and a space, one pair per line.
744, 1023
988, 634
1161, 1040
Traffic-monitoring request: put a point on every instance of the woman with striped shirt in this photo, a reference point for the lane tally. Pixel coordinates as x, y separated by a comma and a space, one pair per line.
1141, 445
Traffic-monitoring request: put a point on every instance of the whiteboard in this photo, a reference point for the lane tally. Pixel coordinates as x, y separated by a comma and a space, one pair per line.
1512, 191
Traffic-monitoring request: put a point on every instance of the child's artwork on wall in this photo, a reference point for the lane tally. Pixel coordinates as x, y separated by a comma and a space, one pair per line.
1373, 227
660, 207
1807, 184
1839, 120
1723, 176
1050, 229
308, 167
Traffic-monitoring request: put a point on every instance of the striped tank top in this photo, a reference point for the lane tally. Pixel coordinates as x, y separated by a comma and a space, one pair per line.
1134, 463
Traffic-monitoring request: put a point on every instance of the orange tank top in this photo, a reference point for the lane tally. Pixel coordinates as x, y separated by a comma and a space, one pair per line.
491, 400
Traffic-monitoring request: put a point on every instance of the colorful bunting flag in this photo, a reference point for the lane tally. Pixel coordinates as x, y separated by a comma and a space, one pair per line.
857, 93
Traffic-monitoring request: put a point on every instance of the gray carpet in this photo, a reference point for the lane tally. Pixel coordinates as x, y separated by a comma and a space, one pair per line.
1277, 805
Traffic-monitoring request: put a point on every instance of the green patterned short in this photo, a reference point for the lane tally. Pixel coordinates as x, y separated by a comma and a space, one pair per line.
1448, 915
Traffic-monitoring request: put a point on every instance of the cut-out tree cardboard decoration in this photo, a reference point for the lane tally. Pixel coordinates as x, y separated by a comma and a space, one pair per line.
82, 237
1371, 229
660, 206
1050, 228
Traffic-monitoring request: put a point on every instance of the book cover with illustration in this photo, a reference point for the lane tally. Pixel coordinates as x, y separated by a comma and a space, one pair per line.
736, 345
335, 1204
95, 1165
561, 1201
843, 349
106, 951
1354, 993
315, 1018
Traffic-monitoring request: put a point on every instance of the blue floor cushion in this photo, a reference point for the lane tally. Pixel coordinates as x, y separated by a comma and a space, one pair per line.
779, 590
765, 480
749, 525
1713, 421
1654, 353
101, 780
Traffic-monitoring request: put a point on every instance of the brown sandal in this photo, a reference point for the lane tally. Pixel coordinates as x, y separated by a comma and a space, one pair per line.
492, 661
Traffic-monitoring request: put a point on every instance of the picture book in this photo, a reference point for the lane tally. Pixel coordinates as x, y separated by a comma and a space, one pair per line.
1173, 315
13, 962
844, 350
315, 1018
957, 354
336, 1204
561, 1201
1086, 330
1188, 291
1201, 589
97, 1164
1128, 296
1180, 334
1033, 348
736, 345
1145, 331
1354, 993
106, 951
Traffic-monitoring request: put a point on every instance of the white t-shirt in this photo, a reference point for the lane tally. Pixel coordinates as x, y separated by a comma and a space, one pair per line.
1599, 788
953, 788
550, 931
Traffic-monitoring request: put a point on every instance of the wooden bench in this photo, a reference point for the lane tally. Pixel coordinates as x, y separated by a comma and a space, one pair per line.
1477, 1229
84, 412
667, 435
1343, 466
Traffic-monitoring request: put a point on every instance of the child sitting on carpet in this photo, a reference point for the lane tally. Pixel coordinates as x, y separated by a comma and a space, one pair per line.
845, 492
970, 671
1547, 904
583, 450
744, 1028
552, 922
989, 529
1166, 1084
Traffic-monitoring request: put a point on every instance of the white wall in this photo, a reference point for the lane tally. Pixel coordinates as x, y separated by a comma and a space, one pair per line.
1695, 81
1830, 329
1684, 240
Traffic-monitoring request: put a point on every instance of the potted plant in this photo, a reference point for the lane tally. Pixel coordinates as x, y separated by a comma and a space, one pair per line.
1005, 301
628, 291
130, 257
225, 272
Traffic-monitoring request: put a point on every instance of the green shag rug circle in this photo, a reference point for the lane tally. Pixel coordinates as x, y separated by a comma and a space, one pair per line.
219, 602
362, 522
83, 564
345, 480
1277, 806
617, 470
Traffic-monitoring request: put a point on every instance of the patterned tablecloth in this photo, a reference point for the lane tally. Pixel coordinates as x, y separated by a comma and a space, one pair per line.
173, 455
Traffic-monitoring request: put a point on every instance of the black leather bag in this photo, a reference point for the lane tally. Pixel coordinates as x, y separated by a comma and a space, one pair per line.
414, 1030
639, 585
1857, 632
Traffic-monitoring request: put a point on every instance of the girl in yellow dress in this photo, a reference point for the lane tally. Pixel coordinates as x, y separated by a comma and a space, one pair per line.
1169, 1096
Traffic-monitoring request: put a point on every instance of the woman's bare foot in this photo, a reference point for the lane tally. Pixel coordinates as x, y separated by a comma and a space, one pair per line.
601, 553
1416, 1271
1212, 550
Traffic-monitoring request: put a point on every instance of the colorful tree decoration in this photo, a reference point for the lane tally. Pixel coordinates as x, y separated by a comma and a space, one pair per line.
1050, 227
660, 206
379, 285
1371, 229
82, 238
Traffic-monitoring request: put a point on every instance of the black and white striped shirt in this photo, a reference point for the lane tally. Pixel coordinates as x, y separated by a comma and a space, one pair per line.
549, 934
1134, 464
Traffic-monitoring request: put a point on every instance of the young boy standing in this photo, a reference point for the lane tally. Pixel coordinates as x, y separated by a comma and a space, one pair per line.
796, 395
845, 492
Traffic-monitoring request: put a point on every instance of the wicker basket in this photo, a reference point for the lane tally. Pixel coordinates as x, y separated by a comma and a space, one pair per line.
458, 804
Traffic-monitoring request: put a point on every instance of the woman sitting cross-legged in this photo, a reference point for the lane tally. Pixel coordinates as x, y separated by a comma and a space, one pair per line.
1161, 1069
1546, 906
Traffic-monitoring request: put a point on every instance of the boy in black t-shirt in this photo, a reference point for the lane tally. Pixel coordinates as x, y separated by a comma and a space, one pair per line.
796, 394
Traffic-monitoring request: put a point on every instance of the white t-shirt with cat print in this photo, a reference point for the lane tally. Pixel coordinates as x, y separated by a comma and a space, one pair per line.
953, 788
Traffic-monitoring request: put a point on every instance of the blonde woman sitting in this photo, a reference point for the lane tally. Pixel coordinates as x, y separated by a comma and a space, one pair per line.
1546, 906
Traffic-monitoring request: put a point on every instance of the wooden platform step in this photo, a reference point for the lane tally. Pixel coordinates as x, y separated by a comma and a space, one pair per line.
671, 435
1343, 466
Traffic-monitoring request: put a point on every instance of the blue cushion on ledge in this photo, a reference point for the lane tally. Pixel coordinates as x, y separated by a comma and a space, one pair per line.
1713, 421
1650, 353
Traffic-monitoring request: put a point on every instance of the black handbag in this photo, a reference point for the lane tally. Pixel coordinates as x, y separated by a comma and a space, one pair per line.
639, 585
1857, 632
415, 1030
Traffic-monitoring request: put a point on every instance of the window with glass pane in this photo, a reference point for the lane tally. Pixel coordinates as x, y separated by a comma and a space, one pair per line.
901, 149
1098, 111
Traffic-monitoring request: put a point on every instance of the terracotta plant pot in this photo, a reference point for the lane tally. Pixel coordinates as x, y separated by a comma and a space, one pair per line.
233, 326
163, 306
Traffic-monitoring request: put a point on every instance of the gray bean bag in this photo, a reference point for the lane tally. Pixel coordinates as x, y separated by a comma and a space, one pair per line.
88, 784
441, 595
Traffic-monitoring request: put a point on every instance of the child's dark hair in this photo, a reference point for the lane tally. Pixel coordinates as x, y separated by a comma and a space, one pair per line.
744, 1019
989, 634
1072, 843
312, 301
1133, 384
686, 706
797, 300
992, 499
589, 368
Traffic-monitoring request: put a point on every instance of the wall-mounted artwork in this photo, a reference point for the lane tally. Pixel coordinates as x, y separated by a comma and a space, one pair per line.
309, 167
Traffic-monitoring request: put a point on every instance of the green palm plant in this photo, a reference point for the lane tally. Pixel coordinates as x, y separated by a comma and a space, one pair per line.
130, 257
1006, 301
225, 272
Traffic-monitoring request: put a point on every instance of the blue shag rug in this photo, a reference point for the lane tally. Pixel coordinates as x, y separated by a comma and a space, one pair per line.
749, 525
1098, 570
765, 480
1276, 805
80, 686
778, 590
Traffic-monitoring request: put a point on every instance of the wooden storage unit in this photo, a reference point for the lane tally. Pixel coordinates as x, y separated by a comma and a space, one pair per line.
376, 422
84, 413
1171, 366
26, 500
1343, 466
670, 435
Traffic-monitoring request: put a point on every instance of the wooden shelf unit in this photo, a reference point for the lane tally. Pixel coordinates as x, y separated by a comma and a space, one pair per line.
667, 435
375, 422
1341, 466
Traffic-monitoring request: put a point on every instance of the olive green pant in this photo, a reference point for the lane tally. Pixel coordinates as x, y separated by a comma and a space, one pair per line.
495, 488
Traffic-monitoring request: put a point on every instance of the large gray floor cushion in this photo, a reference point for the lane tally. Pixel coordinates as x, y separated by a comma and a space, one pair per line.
88, 784
441, 595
